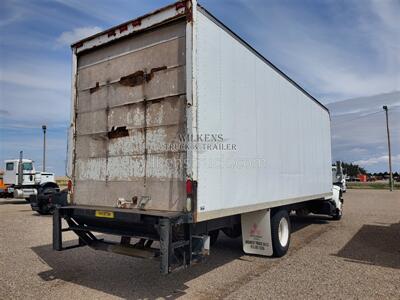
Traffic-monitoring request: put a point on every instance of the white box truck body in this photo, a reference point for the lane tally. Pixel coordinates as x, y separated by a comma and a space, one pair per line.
176, 118
281, 133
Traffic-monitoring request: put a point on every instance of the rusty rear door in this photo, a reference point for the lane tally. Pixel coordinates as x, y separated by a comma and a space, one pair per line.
130, 112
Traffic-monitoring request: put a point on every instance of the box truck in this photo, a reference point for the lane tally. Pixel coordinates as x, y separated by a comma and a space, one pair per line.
180, 130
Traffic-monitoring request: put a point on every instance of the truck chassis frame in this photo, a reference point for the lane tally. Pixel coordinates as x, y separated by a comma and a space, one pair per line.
175, 250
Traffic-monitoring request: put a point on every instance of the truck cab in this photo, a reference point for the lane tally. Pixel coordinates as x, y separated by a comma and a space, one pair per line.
338, 176
11, 172
26, 185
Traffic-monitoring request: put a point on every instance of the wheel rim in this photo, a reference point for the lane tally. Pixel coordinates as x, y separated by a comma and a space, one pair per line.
283, 232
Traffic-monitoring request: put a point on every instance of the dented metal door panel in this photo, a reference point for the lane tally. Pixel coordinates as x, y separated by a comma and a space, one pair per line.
130, 112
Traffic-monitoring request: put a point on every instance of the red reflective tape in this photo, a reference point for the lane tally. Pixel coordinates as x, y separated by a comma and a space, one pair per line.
180, 5
137, 22
111, 33
123, 28
78, 45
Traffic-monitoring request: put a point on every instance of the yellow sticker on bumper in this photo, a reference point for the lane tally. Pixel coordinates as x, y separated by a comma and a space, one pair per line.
105, 214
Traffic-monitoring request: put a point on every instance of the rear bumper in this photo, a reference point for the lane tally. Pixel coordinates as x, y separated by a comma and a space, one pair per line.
173, 231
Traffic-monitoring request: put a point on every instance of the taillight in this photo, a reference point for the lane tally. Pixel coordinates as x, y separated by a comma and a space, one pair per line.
189, 195
69, 185
189, 187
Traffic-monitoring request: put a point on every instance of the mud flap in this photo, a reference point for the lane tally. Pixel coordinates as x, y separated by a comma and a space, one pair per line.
256, 232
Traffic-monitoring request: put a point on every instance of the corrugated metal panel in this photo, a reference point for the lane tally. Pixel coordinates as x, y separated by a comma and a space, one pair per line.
130, 106
274, 125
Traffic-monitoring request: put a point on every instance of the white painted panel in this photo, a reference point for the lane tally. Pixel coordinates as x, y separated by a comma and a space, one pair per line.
276, 127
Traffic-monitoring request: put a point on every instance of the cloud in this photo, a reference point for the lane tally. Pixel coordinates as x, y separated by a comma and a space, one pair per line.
47, 78
359, 130
335, 51
69, 37
30, 141
4, 112
12, 12
34, 93
376, 160
110, 13
32, 107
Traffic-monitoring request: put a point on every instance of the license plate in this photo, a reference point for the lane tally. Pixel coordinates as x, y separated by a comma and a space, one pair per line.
105, 214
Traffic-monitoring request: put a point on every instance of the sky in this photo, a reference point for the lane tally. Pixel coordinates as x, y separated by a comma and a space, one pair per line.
345, 53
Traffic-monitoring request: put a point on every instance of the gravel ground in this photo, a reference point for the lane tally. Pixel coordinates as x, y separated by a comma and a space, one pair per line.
357, 257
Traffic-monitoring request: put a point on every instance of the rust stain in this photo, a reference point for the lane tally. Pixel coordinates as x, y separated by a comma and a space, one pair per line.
140, 77
158, 69
137, 22
118, 132
134, 79
111, 33
94, 89
123, 28
150, 75
134, 200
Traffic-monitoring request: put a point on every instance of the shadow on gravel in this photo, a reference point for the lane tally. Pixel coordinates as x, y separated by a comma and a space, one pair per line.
36, 215
13, 201
129, 277
299, 223
375, 245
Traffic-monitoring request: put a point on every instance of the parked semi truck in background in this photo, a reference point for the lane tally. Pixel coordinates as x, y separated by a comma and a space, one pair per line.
180, 130
21, 179
339, 177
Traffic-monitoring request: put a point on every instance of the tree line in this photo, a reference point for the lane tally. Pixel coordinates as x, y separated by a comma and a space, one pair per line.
353, 170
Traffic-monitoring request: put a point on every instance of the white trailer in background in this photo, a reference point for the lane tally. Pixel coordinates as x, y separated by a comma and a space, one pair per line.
180, 129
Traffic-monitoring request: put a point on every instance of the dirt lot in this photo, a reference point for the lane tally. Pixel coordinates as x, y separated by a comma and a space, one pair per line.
357, 257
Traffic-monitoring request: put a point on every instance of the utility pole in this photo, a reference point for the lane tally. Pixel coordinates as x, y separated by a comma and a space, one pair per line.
20, 168
385, 108
44, 147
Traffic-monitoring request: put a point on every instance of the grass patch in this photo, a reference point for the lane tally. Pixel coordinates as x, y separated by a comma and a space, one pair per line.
372, 185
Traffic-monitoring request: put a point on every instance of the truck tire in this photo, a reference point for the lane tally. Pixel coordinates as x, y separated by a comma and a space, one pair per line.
280, 232
45, 207
337, 215
43, 210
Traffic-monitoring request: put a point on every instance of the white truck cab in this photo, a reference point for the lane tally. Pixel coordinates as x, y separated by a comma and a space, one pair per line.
28, 183
338, 176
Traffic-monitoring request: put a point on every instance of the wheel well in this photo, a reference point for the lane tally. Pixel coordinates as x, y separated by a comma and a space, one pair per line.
274, 210
49, 184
